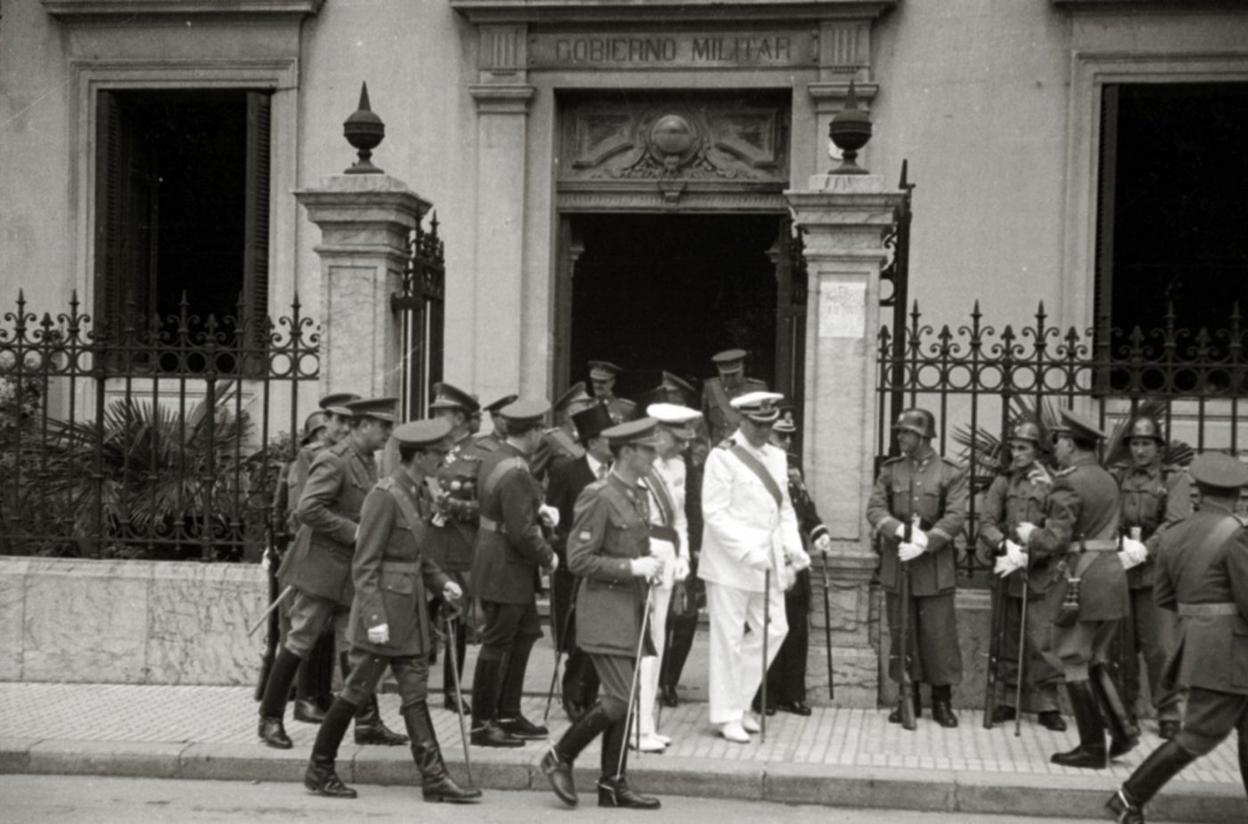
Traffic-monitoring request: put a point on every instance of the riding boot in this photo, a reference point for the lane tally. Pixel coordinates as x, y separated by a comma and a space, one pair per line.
485, 729
273, 705
1091, 750
369, 728
557, 763
942, 706
323, 686
1124, 734
510, 718
436, 784
613, 789
320, 777
1165, 763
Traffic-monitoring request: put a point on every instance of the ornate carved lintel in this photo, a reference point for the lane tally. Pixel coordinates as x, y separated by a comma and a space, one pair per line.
501, 99
503, 53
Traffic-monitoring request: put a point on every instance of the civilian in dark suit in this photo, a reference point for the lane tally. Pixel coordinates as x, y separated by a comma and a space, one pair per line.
567, 479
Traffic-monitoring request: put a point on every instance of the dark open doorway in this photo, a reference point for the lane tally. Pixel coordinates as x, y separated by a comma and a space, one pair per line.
665, 292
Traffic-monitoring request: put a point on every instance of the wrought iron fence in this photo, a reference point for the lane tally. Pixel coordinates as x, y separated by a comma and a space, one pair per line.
979, 378
147, 436
421, 303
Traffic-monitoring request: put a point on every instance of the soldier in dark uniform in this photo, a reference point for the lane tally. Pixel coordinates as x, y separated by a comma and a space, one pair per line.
608, 548
1016, 496
452, 529
717, 393
559, 442
786, 677
318, 566
511, 548
567, 479
602, 375
315, 677
493, 439
1081, 529
1153, 496
926, 494
389, 623
1202, 574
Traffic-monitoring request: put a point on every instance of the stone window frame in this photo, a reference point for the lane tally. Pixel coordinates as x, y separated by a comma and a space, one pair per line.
1090, 72
279, 76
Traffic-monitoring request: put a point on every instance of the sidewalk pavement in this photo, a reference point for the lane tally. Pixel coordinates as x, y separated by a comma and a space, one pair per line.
837, 756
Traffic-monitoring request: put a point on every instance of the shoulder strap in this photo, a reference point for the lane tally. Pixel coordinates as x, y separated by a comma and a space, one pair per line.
404, 503
1225, 528
500, 469
756, 466
659, 487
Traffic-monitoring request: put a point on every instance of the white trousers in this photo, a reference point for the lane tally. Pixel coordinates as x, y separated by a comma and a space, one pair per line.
737, 667
648, 686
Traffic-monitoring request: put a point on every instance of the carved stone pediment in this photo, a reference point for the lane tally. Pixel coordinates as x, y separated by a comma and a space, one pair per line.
675, 138
155, 8
531, 11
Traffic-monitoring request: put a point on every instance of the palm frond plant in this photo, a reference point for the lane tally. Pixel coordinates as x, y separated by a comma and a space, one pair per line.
1118, 447
986, 445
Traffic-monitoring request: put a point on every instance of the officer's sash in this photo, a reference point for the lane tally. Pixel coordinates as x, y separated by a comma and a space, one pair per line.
756, 466
663, 532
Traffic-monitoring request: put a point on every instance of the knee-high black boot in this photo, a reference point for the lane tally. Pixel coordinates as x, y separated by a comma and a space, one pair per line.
557, 763
436, 784
1091, 750
1127, 805
485, 685
509, 716
1124, 735
369, 728
613, 789
273, 705
320, 777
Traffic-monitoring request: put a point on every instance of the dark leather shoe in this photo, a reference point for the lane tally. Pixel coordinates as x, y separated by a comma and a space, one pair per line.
757, 706
1167, 730
308, 711
795, 707
1123, 810
461, 707
273, 733
669, 697
559, 773
378, 735
1085, 757
322, 780
490, 734
942, 712
1001, 714
617, 793
522, 727
1119, 747
1052, 720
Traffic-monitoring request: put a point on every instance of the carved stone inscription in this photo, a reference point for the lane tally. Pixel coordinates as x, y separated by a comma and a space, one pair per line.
672, 50
678, 137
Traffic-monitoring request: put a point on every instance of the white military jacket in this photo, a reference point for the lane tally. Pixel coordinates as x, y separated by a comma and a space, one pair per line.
744, 532
671, 474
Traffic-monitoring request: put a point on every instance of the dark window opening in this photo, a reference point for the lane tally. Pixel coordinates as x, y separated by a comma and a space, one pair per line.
182, 194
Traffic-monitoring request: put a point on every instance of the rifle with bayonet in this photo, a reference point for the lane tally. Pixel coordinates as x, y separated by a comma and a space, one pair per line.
903, 621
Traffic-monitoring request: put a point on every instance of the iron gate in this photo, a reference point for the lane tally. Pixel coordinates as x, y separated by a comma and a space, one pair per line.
421, 305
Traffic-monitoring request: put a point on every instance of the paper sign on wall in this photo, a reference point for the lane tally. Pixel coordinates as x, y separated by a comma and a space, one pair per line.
842, 310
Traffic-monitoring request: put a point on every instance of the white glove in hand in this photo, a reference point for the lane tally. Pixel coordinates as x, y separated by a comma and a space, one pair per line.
823, 545
549, 515
917, 535
1024, 532
681, 571
554, 563
900, 532
452, 592
1004, 566
379, 634
1015, 553
1133, 553
646, 567
908, 551
799, 560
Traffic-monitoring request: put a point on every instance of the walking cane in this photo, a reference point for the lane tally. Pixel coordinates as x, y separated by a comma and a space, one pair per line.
632, 690
277, 602
827, 626
559, 640
459, 696
1020, 669
762, 722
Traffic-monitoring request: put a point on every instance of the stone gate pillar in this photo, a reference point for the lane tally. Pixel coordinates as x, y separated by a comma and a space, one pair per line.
844, 217
365, 217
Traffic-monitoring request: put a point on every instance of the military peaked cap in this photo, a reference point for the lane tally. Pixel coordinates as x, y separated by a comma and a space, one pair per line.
675, 417
576, 394
336, 402
525, 410
427, 432
759, 407
1219, 470
447, 396
640, 432
601, 370
381, 409
505, 400
730, 360
591, 422
1075, 424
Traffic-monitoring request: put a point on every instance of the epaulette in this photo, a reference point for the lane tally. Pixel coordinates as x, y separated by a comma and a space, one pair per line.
1039, 473
596, 485
726, 443
386, 483
893, 460
340, 448
1063, 472
756, 382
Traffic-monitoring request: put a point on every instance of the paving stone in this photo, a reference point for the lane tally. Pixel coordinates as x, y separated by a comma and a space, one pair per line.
15, 754
136, 758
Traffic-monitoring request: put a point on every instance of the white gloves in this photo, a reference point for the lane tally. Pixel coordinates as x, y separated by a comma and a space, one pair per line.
452, 592
549, 515
647, 566
907, 551
554, 563
1133, 553
1024, 532
917, 536
823, 545
379, 634
799, 560
1013, 559
681, 571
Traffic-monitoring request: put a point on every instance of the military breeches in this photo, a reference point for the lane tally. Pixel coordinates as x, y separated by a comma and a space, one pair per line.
410, 671
310, 615
615, 672
935, 657
1042, 671
1209, 719
1153, 631
1082, 645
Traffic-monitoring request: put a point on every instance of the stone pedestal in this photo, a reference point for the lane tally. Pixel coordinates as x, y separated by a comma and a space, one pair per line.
844, 218
365, 220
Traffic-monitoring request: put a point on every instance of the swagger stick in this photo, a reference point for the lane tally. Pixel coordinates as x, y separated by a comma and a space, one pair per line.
827, 626
459, 695
632, 690
560, 640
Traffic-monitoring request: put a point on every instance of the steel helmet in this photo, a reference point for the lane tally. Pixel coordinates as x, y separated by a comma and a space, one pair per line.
314, 423
919, 421
1145, 427
1027, 431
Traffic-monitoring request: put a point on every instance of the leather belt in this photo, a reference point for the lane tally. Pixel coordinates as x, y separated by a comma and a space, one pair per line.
1099, 546
401, 567
1204, 610
492, 525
